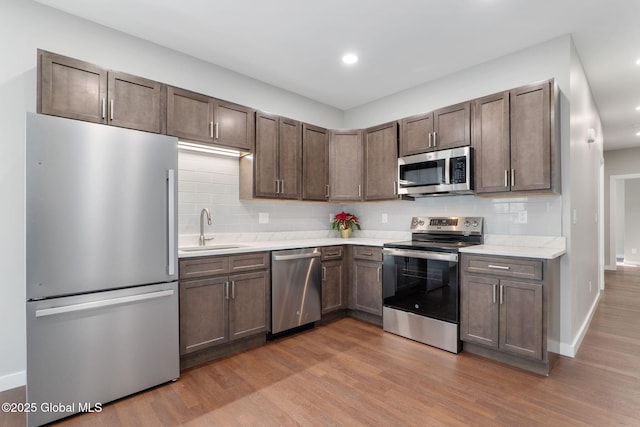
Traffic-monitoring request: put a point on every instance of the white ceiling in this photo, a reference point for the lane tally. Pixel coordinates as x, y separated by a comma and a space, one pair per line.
297, 44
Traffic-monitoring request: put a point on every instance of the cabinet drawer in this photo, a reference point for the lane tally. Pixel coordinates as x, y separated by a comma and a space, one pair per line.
251, 261
372, 253
331, 252
504, 267
203, 266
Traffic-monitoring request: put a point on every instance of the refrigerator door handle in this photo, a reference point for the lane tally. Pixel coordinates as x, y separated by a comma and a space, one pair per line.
103, 303
171, 186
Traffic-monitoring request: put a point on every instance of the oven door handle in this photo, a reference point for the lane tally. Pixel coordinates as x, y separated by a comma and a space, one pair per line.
436, 256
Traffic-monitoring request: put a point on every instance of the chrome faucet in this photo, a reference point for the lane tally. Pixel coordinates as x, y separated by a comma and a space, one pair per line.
204, 212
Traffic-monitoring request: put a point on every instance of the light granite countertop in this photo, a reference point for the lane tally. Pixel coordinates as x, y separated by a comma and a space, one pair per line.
226, 244
540, 247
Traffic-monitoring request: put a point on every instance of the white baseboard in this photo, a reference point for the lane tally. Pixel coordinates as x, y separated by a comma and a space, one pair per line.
571, 350
17, 379
610, 267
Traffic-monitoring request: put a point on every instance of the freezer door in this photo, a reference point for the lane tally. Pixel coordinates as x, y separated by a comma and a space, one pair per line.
91, 349
100, 207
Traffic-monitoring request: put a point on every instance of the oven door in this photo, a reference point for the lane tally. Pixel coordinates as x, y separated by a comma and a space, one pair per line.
422, 282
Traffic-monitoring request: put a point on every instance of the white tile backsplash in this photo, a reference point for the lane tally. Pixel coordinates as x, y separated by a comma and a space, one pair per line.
209, 181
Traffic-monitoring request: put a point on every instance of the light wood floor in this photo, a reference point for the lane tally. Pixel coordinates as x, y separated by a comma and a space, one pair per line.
352, 373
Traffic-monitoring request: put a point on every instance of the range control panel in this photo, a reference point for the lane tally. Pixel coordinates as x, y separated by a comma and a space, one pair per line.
453, 225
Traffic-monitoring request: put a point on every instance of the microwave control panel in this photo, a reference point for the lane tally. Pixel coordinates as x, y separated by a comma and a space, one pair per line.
458, 170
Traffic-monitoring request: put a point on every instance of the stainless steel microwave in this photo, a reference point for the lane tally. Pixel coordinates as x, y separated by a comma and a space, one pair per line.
436, 173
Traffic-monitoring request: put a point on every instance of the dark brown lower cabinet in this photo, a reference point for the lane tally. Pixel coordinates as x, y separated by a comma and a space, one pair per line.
366, 294
505, 309
334, 277
227, 306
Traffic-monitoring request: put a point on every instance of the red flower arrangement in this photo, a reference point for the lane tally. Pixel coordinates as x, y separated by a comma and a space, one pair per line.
345, 220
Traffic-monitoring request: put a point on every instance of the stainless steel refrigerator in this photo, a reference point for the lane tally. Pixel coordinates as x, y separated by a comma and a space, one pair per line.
101, 265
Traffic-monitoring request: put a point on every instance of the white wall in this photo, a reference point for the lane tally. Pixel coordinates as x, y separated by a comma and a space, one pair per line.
632, 222
582, 212
619, 219
618, 165
26, 26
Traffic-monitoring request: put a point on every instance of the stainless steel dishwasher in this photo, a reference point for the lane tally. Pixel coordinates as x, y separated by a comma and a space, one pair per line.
295, 288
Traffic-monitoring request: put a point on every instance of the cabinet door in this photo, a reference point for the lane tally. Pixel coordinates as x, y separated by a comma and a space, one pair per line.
479, 310
234, 126
189, 115
531, 137
345, 165
452, 126
248, 302
71, 88
333, 290
315, 163
290, 158
381, 162
135, 102
491, 141
415, 134
367, 286
203, 314
521, 318
266, 155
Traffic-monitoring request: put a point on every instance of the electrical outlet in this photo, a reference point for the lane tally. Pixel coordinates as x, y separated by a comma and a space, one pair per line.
263, 218
385, 218
522, 217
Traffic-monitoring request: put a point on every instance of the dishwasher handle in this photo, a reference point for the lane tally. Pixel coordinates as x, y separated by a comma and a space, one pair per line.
296, 256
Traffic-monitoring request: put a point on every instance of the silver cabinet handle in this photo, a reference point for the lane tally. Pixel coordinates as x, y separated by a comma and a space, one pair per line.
435, 139
379, 271
226, 290
233, 289
217, 135
111, 113
327, 194
102, 303
324, 273
359, 190
366, 253
282, 186
494, 292
498, 267
513, 177
501, 294
429, 139
395, 188
333, 253
171, 214
104, 108
277, 184
211, 129
506, 177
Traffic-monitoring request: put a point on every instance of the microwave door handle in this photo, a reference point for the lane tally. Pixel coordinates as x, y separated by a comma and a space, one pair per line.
447, 170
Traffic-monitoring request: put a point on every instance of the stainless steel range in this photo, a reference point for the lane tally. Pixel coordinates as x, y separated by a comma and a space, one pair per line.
421, 280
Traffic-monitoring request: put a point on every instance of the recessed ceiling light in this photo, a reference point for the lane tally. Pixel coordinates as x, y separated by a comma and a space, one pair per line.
350, 58
638, 108
638, 62
637, 133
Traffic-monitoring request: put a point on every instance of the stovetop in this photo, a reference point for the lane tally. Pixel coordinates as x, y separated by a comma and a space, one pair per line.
442, 234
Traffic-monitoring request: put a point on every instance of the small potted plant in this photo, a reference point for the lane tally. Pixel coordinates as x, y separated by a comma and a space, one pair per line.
345, 222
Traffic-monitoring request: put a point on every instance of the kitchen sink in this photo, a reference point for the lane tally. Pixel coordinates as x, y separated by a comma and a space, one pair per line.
209, 248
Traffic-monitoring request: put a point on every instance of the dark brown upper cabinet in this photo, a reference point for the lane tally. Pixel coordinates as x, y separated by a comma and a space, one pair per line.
200, 118
79, 90
447, 127
381, 162
315, 163
513, 140
278, 157
345, 165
